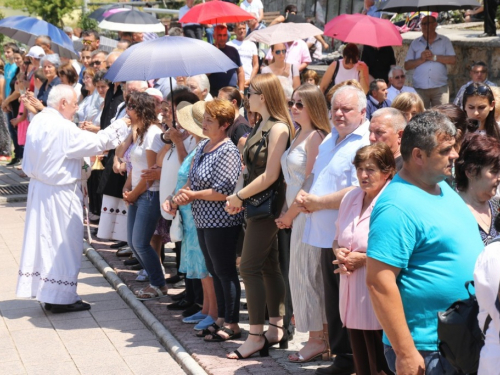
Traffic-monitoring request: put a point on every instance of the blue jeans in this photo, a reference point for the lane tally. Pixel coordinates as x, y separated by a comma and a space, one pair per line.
435, 363
142, 219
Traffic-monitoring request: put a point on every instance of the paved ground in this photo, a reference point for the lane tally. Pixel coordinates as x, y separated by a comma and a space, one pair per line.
108, 339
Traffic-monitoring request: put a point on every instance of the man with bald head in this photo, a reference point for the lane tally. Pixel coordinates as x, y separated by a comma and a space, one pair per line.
52, 247
428, 55
387, 126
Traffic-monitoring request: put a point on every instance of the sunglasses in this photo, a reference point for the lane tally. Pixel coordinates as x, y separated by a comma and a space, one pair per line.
298, 105
280, 51
88, 42
401, 76
95, 63
479, 90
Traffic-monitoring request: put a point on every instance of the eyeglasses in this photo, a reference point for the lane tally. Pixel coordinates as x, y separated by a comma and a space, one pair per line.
401, 76
87, 42
280, 51
132, 107
298, 105
479, 90
96, 63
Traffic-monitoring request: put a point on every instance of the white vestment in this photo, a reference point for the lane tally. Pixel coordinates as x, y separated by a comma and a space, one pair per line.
52, 246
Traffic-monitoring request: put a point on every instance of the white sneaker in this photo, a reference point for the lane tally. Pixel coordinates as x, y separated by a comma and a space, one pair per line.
142, 276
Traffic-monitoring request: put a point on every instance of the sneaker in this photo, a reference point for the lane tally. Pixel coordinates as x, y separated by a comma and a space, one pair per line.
142, 276
194, 319
204, 324
14, 162
181, 284
174, 279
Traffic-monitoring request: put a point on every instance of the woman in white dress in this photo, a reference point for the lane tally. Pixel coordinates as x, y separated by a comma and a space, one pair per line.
309, 110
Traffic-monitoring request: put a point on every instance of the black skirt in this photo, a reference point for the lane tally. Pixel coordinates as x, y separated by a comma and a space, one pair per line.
111, 183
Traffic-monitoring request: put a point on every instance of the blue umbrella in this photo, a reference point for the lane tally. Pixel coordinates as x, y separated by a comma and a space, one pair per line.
168, 56
27, 29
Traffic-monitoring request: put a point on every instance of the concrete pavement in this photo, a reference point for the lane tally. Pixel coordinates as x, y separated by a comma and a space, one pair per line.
108, 339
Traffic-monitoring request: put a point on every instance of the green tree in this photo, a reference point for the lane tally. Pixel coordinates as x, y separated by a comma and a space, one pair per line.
51, 11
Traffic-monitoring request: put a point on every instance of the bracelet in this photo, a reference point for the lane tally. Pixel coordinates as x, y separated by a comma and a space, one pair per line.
238, 196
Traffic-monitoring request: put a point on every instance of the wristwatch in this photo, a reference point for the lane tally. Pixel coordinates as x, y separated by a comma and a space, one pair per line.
434, 57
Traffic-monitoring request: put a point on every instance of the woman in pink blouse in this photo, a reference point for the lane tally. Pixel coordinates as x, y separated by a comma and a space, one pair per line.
375, 166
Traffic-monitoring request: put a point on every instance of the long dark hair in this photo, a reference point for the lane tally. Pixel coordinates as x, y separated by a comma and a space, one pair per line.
480, 89
145, 110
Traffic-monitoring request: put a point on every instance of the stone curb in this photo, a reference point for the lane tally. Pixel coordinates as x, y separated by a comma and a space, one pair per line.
14, 198
173, 346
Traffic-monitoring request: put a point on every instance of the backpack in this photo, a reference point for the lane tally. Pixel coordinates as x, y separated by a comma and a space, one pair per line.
459, 335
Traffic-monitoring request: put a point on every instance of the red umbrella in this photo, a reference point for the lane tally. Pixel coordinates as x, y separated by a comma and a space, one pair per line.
216, 12
362, 29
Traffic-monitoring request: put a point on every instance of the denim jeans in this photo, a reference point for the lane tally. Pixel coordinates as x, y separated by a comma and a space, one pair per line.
142, 219
435, 363
219, 249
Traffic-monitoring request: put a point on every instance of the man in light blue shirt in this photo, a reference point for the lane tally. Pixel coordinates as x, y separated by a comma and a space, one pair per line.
429, 55
422, 247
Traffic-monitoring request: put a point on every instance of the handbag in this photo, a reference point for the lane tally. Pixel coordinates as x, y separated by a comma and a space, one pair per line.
176, 230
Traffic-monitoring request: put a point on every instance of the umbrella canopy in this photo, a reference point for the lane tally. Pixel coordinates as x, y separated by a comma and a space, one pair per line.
114, 10
402, 6
168, 56
363, 29
133, 21
27, 29
98, 14
216, 12
283, 33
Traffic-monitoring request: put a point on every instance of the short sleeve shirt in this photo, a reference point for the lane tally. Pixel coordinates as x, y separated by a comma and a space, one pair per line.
434, 241
229, 78
247, 51
254, 7
430, 74
151, 142
218, 170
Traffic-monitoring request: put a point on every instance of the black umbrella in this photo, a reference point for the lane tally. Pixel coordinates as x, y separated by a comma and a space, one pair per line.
402, 6
98, 14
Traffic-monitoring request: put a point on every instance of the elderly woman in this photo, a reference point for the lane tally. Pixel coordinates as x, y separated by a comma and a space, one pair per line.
213, 176
409, 103
348, 67
281, 68
375, 166
477, 175
259, 268
49, 64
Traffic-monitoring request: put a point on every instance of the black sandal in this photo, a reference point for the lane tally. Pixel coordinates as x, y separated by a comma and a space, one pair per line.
264, 352
284, 340
218, 338
207, 331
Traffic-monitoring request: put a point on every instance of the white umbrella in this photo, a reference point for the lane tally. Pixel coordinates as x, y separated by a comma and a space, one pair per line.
133, 21
283, 33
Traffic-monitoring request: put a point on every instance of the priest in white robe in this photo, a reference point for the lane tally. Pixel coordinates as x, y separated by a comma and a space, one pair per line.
53, 234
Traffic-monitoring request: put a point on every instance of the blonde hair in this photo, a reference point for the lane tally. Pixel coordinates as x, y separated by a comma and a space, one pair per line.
309, 73
406, 100
269, 85
496, 95
315, 104
333, 90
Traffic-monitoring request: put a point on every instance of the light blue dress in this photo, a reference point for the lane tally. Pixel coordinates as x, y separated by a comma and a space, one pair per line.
192, 259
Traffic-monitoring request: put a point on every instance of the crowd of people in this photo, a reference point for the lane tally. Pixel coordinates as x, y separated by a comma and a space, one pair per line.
353, 208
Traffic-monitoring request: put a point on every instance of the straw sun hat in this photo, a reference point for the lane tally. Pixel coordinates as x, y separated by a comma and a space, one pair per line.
190, 117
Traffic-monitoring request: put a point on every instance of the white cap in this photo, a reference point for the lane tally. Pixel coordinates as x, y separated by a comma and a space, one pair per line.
36, 52
154, 92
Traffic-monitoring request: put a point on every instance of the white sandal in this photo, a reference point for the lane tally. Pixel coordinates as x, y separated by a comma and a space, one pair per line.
151, 295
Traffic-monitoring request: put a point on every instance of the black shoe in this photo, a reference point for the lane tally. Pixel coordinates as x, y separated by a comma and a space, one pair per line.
77, 306
335, 369
13, 162
124, 252
136, 267
284, 340
180, 305
483, 35
192, 310
131, 261
118, 245
179, 285
174, 279
47, 306
179, 297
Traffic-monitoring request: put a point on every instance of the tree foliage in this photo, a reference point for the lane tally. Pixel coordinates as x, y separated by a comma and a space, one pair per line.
51, 11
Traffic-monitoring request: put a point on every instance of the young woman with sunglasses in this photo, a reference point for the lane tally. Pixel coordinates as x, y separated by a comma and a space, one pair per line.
479, 103
309, 110
259, 266
281, 68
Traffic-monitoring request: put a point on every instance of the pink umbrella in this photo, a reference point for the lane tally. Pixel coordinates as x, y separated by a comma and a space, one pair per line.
115, 10
362, 29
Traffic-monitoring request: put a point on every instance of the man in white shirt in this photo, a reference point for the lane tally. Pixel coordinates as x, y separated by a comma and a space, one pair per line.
333, 175
247, 51
254, 6
191, 30
397, 79
52, 247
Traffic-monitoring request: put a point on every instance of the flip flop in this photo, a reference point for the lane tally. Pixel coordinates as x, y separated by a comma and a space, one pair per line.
218, 338
157, 294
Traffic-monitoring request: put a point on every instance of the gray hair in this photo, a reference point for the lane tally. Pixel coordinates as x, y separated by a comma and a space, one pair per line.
68, 29
287, 87
97, 52
53, 59
422, 131
143, 85
393, 69
203, 82
175, 31
45, 39
397, 120
361, 96
59, 93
